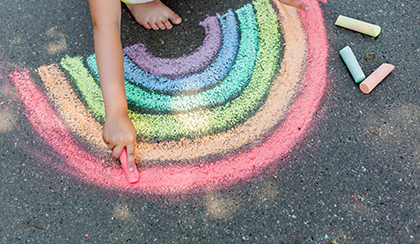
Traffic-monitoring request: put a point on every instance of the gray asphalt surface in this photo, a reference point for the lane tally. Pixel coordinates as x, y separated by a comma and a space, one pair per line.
353, 179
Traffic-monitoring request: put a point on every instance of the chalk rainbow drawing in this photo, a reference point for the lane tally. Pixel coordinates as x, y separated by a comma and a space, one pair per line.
200, 116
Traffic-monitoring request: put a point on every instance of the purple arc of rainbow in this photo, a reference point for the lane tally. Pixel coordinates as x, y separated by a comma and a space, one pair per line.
179, 179
177, 67
211, 75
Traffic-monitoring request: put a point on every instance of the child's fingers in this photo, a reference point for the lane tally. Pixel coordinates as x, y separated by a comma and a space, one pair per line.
300, 5
104, 138
296, 4
131, 156
117, 150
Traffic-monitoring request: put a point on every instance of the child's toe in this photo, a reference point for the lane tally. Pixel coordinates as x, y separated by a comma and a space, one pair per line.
167, 24
175, 19
154, 26
146, 25
161, 25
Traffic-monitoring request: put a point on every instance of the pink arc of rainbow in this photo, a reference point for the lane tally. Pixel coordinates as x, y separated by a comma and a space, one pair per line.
187, 178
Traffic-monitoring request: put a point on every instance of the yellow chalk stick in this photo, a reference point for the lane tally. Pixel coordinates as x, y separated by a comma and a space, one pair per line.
358, 25
375, 78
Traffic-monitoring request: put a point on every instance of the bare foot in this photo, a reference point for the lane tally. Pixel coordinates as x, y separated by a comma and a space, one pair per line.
154, 15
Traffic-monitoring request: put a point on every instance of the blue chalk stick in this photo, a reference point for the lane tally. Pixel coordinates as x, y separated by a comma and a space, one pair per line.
352, 64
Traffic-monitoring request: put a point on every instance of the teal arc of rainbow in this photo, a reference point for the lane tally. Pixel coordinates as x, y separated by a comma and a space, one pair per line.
154, 127
229, 88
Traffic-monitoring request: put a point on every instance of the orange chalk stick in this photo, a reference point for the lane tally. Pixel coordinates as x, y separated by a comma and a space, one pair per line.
375, 78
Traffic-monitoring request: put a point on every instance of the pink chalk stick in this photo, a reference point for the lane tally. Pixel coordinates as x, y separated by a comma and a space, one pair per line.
375, 78
131, 176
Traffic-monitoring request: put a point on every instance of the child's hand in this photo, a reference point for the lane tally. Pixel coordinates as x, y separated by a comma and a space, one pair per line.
118, 133
298, 4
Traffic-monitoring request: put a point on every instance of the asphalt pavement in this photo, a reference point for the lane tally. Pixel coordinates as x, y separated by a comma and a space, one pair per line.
353, 176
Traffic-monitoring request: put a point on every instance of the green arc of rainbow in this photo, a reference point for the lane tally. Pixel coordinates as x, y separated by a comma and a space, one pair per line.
229, 88
156, 127
275, 107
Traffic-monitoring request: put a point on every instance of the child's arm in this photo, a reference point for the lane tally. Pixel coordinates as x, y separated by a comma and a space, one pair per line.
118, 131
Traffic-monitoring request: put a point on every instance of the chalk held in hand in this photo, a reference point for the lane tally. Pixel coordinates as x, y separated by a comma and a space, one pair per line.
352, 64
131, 176
375, 78
359, 26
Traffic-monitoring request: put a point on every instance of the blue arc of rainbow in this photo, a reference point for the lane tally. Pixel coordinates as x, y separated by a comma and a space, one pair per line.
229, 88
155, 127
195, 82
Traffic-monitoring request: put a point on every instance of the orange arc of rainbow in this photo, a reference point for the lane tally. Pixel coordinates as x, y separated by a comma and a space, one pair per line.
178, 179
